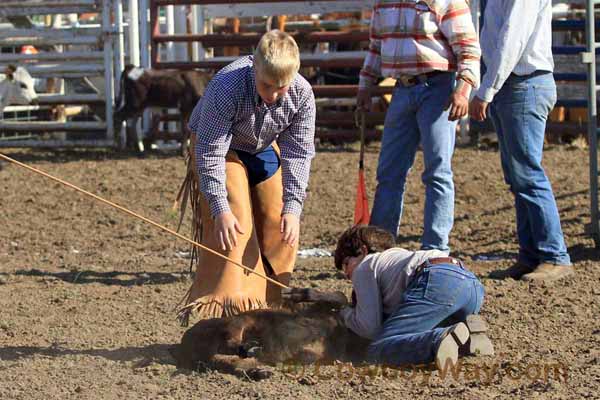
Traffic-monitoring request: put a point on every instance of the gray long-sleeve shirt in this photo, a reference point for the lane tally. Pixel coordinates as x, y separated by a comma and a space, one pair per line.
379, 282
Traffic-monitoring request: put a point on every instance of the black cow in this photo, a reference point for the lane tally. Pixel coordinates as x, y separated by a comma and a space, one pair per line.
142, 88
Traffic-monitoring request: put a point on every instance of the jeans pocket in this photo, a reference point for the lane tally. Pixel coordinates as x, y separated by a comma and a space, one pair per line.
545, 98
445, 287
416, 288
513, 94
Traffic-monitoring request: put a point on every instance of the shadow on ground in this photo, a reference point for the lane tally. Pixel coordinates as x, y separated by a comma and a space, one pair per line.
117, 278
142, 355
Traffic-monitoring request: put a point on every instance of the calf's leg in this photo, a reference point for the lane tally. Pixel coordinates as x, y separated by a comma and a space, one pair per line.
240, 367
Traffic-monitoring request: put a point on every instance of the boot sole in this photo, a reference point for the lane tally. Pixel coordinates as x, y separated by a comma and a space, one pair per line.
568, 271
480, 345
476, 323
447, 352
479, 342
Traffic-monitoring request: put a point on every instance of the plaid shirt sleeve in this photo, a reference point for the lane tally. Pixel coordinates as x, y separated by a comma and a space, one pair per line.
371, 69
297, 146
457, 26
211, 121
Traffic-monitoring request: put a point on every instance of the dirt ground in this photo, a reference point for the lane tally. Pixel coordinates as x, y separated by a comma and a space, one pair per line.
87, 293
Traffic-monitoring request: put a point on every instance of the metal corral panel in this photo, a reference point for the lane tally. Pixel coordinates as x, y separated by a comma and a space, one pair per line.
285, 8
50, 36
26, 8
50, 126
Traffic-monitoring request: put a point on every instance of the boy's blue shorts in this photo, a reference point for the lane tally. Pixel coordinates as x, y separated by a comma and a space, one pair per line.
261, 166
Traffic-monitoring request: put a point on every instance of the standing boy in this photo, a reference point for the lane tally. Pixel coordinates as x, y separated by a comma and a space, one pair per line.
254, 131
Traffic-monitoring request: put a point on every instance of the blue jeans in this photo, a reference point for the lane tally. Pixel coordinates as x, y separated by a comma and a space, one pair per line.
416, 116
441, 295
519, 113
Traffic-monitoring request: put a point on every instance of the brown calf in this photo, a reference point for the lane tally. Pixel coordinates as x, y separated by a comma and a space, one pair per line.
142, 88
240, 344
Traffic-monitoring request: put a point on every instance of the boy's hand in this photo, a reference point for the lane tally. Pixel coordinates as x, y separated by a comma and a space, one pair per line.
363, 100
459, 106
478, 109
290, 228
459, 100
226, 226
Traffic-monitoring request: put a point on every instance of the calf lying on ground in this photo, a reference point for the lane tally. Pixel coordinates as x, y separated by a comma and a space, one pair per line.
240, 344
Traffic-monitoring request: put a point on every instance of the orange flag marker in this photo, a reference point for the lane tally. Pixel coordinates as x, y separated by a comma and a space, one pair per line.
361, 208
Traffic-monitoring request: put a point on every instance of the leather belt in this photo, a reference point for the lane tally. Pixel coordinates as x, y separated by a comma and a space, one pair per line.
412, 80
437, 260
531, 75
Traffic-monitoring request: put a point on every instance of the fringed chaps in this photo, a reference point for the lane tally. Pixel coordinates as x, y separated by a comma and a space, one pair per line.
220, 287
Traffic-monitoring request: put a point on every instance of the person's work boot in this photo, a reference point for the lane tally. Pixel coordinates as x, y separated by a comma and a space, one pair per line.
548, 272
516, 271
479, 343
447, 352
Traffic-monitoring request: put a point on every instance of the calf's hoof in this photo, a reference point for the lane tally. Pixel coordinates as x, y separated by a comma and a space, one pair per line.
258, 374
250, 349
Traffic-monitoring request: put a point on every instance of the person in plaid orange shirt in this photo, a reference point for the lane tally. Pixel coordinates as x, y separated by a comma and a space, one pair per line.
431, 48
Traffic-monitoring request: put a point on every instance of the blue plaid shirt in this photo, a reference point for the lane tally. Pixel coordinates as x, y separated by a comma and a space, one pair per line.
231, 115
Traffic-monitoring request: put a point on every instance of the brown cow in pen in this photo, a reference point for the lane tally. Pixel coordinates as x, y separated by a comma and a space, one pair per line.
243, 344
142, 88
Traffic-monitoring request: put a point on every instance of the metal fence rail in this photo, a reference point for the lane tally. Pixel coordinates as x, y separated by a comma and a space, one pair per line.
206, 39
52, 63
589, 58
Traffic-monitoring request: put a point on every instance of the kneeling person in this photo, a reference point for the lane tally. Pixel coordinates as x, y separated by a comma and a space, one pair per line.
254, 132
412, 304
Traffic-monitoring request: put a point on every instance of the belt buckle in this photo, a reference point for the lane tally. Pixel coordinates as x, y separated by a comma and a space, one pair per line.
407, 80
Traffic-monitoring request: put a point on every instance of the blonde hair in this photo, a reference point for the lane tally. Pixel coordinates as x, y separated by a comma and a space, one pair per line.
277, 57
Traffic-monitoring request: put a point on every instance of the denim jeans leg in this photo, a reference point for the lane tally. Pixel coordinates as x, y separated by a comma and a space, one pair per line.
504, 162
412, 333
398, 149
437, 140
523, 104
525, 239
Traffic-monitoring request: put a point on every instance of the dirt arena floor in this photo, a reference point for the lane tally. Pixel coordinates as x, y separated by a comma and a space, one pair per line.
87, 293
